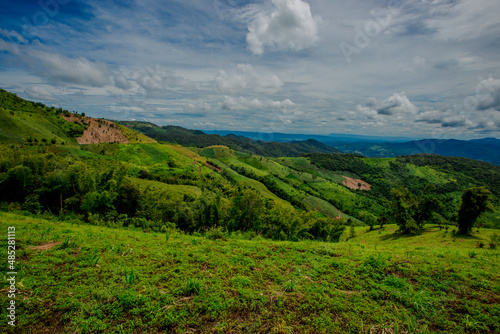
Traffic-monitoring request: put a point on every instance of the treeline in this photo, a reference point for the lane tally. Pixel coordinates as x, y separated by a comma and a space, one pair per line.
104, 192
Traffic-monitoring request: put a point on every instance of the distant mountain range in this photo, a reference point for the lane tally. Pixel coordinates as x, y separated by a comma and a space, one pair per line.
487, 149
288, 137
283, 144
186, 137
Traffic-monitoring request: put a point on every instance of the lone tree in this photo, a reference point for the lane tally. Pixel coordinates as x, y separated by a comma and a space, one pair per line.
474, 202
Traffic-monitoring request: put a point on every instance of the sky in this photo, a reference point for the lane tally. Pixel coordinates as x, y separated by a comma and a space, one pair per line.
413, 68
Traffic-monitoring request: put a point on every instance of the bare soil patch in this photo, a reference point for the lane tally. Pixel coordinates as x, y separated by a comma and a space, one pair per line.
45, 246
99, 131
356, 184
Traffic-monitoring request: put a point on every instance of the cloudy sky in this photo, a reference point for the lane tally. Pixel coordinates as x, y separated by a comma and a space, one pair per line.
417, 68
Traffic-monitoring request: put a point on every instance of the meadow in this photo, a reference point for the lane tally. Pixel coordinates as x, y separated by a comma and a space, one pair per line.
79, 278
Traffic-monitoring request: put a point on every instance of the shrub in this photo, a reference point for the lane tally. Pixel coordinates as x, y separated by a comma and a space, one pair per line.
494, 241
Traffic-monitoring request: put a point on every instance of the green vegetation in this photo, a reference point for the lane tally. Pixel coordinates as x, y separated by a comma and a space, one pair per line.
34, 123
122, 280
474, 202
185, 137
156, 237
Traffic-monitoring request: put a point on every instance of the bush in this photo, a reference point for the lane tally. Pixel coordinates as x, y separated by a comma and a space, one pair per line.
494, 241
215, 233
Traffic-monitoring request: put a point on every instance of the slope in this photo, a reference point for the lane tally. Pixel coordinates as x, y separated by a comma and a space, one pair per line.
186, 137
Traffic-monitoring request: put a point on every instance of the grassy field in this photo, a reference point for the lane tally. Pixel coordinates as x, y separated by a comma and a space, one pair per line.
75, 278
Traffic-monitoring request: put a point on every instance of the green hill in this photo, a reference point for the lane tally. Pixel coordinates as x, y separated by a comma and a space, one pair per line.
22, 120
186, 137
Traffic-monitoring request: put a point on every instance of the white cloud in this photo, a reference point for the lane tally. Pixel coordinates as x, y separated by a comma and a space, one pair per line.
12, 35
397, 104
488, 94
159, 79
198, 106
121, 82
241, 103
465, 20
245, 77
288, 26
56, 67
205, 124
39, 93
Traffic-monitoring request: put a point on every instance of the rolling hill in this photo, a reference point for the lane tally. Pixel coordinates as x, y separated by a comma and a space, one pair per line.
196, 138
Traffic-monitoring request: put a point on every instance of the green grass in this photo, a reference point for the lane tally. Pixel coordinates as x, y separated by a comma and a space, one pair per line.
103, 280
176, 191
21, 125
135, 137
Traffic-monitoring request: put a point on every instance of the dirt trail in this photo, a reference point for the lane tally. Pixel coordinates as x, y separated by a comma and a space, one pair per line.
45, 246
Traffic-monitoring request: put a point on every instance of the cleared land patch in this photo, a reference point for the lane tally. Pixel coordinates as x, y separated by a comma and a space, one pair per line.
356, 184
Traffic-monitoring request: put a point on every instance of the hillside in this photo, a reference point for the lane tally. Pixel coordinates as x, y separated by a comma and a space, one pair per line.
196, 138
25, 121
22, 120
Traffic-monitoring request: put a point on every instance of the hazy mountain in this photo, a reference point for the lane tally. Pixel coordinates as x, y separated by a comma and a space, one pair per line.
487, 149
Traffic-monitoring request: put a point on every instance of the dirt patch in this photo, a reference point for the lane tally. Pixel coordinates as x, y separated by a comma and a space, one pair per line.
212, 167
356, 184
99, 131
45, 246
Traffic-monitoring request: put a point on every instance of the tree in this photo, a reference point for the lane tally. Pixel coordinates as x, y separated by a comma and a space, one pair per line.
368, 218
412, 212
474, 202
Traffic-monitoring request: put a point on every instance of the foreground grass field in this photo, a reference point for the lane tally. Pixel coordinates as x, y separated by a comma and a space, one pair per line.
75, 278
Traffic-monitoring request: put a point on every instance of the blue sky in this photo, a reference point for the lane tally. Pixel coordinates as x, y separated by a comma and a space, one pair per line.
417, 68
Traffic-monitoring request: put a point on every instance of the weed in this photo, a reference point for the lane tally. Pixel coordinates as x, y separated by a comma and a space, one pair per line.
290, 286
472, 254
394, 282
130, 277
191, 286
93, 260
374, 262
65, 244
241, 281
469, 323
281, 328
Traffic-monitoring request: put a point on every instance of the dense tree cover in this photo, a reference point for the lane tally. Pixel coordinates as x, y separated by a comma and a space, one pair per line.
467, 171
105, 191
475, 201
186, 137
414, 200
